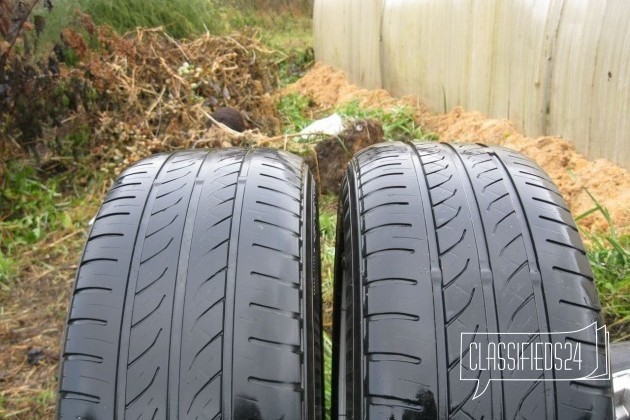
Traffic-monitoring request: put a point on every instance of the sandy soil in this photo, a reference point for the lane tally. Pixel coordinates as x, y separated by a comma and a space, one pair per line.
573, 173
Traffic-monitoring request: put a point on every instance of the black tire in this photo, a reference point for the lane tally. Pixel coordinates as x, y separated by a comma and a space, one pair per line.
198, 293
437, 239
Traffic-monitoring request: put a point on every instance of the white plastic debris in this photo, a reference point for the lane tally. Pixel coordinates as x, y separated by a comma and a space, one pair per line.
331, 126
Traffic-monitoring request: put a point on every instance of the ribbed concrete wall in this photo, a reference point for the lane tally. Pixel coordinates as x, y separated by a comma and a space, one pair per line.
557, 67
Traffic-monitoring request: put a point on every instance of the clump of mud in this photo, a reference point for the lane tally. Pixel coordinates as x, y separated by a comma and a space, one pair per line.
330, 158
574, 174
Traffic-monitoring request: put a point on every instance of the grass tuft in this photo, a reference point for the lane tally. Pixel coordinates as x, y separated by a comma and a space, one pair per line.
180, 18
29, 208
327, 373
293, 109
609, 256
399, 122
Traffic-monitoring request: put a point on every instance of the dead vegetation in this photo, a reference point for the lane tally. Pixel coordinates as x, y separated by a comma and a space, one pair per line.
117, 98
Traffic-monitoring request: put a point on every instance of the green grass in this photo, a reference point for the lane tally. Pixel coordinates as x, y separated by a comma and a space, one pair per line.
293, 109
398, 122
7, 268
327, 373
609, 256
181, 18
327, 229
609, 259
281, 29
32, 207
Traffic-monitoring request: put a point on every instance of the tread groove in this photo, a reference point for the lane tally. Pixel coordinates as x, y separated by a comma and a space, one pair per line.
384, 356
87, 320
144, 318
450, 248
293, 386
400, 203
105, 216
83, 356
275, 310
264, 203
379, 251
91, 260
123, 197
204, 386
81, 396
461, 311
560, 222
380, 316
551, 203
149, 385
152, 282
158, 253
391, 187
105, 235
496, 226
565, 245
458, 275
519, 308
513, 274
575, 273
280, 251
144, 352
580, 305
520, 235
204, 347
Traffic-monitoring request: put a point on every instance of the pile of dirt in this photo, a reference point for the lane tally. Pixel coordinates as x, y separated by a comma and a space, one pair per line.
329, 87
574, 174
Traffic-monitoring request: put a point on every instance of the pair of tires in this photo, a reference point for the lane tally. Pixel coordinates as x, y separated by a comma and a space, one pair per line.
198, 293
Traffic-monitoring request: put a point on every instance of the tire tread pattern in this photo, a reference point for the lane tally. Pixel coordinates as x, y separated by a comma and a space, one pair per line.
489, 234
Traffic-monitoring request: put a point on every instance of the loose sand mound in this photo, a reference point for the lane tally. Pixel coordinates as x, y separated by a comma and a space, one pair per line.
570, 170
